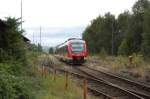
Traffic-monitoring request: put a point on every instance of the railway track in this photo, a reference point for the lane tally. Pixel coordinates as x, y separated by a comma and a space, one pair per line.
107, 84
100, 87
134, 87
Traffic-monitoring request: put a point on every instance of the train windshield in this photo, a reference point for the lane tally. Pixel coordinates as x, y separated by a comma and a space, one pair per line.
77, 46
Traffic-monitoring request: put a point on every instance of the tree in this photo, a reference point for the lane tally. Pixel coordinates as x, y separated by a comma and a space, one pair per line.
87, 36
127, 34
13, 61
39, 48
103, 53
122, 23
99, 34
123, 48
146, 35
12, 44
140, 6
134, 30
51, 51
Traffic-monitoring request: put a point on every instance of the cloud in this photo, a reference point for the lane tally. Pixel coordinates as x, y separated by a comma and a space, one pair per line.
55, 13
60, 19
53, 36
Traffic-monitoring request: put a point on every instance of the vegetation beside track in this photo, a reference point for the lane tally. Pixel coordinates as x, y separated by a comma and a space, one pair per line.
15, 73
138, 69
17, 78
55, 89
51, 89
120, 37
123, 35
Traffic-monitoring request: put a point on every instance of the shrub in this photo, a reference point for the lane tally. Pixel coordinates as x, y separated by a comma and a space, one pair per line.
119, 62
123, 48
138, 59
11, 86
15, 82
103, 53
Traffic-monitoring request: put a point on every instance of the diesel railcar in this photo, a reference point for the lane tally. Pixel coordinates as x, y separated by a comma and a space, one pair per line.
73, 50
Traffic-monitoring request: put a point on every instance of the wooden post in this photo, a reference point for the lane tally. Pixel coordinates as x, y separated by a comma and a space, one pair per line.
54, 74
42, 70
85, 89
66, 80
45, 71
49, 72
34, 65
130, 60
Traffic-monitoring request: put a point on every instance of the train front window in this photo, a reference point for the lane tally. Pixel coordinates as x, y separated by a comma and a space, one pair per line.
77, 47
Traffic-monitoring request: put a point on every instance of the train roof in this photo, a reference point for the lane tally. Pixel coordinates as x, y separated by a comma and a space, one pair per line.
74, 39
70, 39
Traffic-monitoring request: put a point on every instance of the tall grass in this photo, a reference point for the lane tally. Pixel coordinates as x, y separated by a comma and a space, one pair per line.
103, 54
137, 67
55, 89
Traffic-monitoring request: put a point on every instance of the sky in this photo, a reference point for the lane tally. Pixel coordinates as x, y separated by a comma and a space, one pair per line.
59, 19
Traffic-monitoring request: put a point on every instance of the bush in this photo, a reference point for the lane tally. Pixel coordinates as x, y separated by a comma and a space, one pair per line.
12, 86
15, 81
103, 53
138, 59
123, 48
117, 63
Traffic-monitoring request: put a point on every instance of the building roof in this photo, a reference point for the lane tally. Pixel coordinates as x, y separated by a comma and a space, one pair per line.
26, 39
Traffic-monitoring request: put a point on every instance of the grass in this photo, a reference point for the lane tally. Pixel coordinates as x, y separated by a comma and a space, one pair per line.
50, 89
56, 89
118, 62
137, 68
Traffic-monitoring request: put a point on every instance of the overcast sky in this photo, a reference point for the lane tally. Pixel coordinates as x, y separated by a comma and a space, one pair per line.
60, 19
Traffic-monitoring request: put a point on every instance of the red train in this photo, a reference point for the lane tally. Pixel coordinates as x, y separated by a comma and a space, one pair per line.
73, 50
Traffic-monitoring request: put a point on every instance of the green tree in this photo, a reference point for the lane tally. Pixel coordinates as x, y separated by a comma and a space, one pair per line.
123, 48
88, 36
13, 61
51, 51
134, 27
103, 53
123, 23
99, 34
140, 6
39, 48
127, 34
12, 44
146, 35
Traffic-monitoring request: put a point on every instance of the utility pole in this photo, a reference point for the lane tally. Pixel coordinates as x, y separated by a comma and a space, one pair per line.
40, 36
112, 42
33, 38
21, 15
